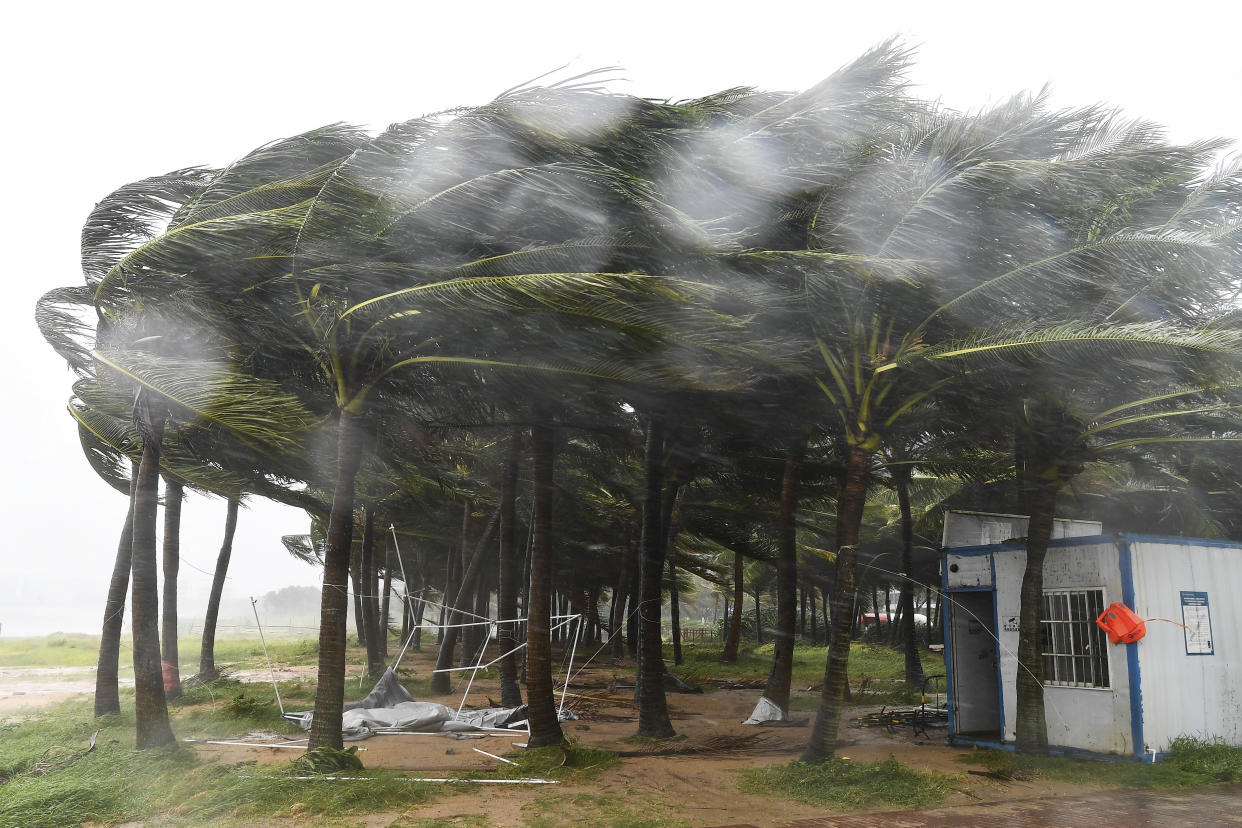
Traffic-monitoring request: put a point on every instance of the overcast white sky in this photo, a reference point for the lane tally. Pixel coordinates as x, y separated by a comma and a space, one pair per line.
112, 92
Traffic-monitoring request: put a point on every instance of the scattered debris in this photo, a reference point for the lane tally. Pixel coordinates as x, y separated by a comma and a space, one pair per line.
918, 718
494, 756
739, 684
57, 757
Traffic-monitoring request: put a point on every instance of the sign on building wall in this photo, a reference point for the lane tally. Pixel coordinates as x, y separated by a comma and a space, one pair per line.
1198, 623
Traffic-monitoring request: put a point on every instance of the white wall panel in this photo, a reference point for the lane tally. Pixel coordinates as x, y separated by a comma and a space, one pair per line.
1188, 695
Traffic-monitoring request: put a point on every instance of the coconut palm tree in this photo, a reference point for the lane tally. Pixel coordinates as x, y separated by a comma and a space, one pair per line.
207, 653
958, 223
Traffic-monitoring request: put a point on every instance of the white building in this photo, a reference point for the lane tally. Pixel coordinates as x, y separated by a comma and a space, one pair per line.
1184, 678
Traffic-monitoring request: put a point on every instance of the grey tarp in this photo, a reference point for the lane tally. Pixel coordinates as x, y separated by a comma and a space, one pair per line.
390, 707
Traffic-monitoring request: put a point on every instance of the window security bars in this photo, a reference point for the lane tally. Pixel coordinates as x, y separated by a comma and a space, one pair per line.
1073, 647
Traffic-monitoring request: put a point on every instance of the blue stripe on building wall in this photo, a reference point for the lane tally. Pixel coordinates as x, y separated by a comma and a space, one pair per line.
1126, 567
996, 631
947, 638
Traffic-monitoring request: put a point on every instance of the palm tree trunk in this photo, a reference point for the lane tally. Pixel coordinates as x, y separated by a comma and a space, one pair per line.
482, 607
334, 600
914, 667
355, 575
107, 680
207, 654
463, 611
810, 597
781, 674
875, 611
653, 720
827, 606
733, 639
418, 625
174, 494
669, 527
446, 596
384, 602
850, 503
674, 610
545, 729
631, 599
150, 707
593, 626
370, 608
888, 615
407, 621
1032, 727
617, 616
758, 619
506, 591
802, 612
459, 611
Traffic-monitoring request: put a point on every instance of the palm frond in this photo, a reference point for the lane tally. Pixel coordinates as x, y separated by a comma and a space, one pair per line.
61, 315
1129, 340
133, 214
257, 411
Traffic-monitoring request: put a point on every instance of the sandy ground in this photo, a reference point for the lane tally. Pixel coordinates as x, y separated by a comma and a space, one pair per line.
28, 688
696, 782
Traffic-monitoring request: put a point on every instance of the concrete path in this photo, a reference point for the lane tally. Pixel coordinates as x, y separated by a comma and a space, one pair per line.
1194, 808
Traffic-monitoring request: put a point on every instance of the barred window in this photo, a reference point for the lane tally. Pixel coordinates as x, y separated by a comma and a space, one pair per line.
1074, 648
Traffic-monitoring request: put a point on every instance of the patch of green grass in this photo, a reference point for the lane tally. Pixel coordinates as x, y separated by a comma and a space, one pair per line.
880, 668
55, 650
246, 653
104, 785
209, 692
52, 781
600, 812
697, 671
1190, 762
574, 761
247, 791
845, 785
233, 715
76, 650
418, 686
65, 724
878, 664
1210, 761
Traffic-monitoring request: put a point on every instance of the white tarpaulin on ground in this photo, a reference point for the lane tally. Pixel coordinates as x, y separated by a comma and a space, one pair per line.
389, 707
766, 712
421, 717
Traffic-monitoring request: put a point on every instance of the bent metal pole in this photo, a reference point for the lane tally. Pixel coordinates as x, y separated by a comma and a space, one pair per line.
254, 605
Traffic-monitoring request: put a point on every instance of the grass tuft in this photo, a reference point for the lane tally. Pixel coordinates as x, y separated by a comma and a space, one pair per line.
1206, 761
572, 761
242, 791
842, 784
